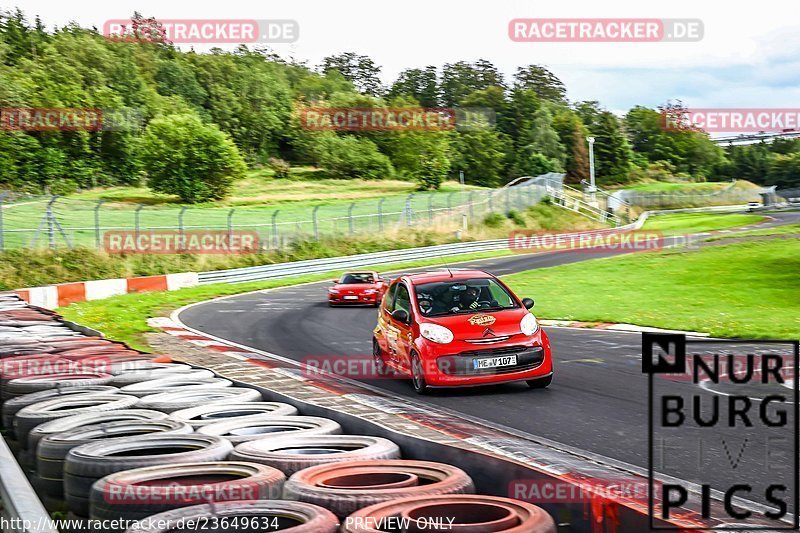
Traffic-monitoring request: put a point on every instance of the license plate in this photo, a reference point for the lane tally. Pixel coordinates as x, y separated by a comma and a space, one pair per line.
351, 297
494, 362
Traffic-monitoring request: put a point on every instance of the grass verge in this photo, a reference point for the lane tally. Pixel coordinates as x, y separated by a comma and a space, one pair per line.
696, 222
736, 290
124, 318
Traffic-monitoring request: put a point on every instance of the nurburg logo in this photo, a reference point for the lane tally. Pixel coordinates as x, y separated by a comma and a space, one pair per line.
482, 320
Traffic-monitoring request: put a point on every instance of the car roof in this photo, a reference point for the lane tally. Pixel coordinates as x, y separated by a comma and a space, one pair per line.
446, 275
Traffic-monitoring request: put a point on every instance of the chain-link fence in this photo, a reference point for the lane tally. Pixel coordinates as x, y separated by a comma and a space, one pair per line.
670, 199
55, 222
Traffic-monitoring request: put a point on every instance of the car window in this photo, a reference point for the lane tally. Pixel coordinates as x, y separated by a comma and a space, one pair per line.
356, 277
403, 300
462, 296
389, 298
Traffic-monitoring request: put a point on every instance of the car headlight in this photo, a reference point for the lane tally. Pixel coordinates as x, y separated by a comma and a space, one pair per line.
528, 324
333, 291
370, 291
436, 333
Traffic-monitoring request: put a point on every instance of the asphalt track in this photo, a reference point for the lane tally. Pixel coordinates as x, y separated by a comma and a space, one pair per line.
597, 402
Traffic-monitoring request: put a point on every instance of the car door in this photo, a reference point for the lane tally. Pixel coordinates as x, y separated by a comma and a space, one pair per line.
402, 300
388, 331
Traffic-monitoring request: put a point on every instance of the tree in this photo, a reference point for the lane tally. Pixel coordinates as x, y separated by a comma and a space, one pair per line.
612, 151
462, 79
541, 81
194, 161
784, 171
360, 70
572, 134
481, 154
347, 156
420, 84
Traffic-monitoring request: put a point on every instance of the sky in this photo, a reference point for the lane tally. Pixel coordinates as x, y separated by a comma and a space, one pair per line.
748, 57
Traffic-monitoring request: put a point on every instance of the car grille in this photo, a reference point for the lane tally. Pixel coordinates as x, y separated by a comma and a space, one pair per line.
528, 358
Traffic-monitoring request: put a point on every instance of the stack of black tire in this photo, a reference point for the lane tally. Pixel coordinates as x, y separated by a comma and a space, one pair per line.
108, 433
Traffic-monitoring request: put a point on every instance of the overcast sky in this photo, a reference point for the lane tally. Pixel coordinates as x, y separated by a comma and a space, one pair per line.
749, 56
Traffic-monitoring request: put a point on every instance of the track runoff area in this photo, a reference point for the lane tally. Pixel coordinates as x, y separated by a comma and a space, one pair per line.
719, 419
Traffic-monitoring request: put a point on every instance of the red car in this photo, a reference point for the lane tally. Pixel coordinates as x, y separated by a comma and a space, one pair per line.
460, 327
364, 288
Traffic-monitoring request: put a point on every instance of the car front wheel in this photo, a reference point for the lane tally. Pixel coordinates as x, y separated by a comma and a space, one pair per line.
418, 375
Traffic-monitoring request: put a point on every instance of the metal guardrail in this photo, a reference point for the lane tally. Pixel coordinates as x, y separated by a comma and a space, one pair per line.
21, 511
328, 264
331, 264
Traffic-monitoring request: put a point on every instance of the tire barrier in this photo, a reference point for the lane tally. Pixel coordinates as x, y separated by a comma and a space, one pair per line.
209, 414
29, 384
168, 402
181, 382
248, 428
139, 493
11, 407
269, 515
293, 453
89, 462
459, 513
146, 371
31, 416
31, 365
347, 487
53, 449
69, 423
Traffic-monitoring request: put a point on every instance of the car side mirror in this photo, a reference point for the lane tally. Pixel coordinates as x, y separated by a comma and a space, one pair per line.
527, 302
334, 281
400, 315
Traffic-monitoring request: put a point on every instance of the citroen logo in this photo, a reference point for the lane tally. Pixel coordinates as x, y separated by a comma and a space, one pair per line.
488, 332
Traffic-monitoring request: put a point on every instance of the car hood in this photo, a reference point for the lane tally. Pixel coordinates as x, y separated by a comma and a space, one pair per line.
480, 325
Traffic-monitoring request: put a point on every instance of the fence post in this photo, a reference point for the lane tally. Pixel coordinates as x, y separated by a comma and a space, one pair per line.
136, 221
230, 225
180, 225
314, 222
508, 199
450, 204
2, 236
97, 223
350, 218
430, 208
408, 212
51, 230
380, 214
491, 204
275, 228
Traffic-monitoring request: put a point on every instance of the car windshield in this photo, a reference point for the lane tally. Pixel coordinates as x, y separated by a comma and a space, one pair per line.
356, 277
453, 297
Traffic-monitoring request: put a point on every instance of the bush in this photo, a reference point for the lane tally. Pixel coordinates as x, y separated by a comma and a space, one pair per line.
493, 220
516, 217
194, 161
279, 167
350, 157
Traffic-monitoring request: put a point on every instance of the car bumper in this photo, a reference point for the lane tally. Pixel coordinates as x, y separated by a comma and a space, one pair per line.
534, 361
361, 299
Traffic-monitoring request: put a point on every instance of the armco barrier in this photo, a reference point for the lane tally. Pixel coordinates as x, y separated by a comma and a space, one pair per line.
54, 296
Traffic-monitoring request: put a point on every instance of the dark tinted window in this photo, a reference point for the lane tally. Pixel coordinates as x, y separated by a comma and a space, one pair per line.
462, 296
389, 297
357, 277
